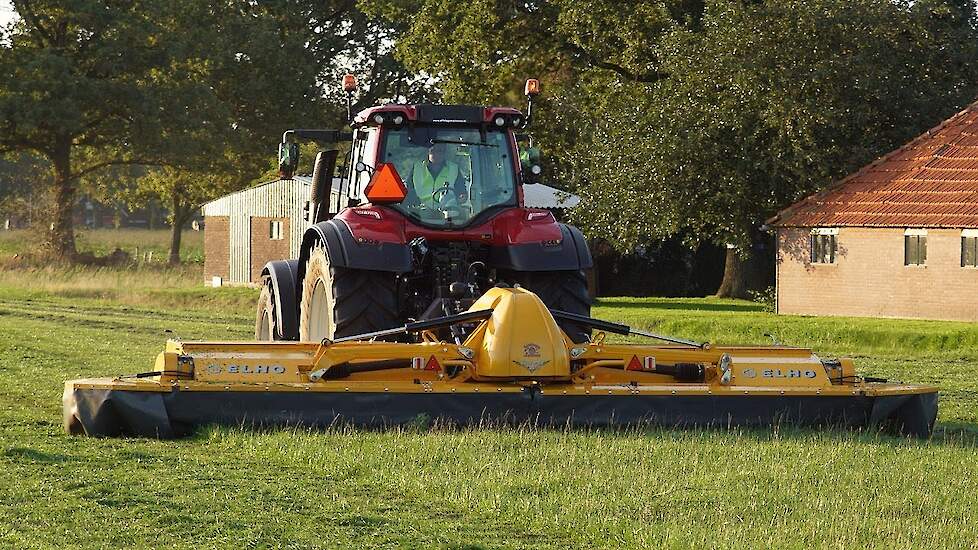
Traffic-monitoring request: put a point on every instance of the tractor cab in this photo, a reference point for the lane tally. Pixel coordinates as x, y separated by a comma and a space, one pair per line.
452, 173
453, 163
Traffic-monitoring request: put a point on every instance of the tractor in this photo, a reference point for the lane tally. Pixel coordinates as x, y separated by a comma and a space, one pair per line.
429, 216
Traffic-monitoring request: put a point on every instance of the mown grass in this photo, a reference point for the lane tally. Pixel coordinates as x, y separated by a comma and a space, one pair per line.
476, 488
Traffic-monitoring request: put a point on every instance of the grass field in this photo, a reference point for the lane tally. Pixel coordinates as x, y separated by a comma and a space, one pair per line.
488, 488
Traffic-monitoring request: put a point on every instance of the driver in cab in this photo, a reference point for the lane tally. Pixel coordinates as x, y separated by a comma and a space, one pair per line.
435, 180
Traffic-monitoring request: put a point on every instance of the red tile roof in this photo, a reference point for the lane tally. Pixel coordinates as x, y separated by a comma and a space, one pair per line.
930, 182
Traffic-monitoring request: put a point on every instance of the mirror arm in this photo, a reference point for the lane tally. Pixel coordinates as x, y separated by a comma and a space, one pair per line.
319, 136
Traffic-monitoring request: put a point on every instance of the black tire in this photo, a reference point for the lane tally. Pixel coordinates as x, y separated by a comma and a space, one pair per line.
560, 290
338, 302
265, 325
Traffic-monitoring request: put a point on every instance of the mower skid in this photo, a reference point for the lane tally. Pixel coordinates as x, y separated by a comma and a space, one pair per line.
125, 412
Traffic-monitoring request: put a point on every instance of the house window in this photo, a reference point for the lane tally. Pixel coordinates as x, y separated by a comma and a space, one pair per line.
824, 244
915, 247
275, 230
969, 248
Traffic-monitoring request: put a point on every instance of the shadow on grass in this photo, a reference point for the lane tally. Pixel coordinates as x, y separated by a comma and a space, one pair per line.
33, 455
957, 434
686, 306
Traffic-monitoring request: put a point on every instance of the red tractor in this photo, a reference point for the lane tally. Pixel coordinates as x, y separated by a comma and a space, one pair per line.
433, 217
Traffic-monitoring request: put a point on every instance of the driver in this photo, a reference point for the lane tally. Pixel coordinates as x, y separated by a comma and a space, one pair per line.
434, 173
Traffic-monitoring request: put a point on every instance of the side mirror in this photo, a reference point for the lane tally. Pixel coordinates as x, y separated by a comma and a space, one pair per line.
288, 159
361, 166
530, 165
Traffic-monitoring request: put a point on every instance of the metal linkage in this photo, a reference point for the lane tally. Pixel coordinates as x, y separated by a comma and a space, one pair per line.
418, 326
469, 316
625, 330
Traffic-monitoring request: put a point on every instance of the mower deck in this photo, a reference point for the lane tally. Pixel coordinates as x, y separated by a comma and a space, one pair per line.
515, 367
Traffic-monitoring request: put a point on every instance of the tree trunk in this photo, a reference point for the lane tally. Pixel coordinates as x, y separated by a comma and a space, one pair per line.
743, 273
181, 213
62, 226
734, 284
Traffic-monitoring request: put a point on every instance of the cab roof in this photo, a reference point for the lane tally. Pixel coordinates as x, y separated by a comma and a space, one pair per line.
449, 114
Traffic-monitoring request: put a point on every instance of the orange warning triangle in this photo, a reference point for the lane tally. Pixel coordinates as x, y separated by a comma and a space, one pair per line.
432, 364
634, 364
385, 185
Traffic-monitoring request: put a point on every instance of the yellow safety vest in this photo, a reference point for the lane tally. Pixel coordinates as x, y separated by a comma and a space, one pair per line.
425, 184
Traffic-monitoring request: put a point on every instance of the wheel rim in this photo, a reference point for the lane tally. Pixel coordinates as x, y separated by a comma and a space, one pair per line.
265, 327
318, 313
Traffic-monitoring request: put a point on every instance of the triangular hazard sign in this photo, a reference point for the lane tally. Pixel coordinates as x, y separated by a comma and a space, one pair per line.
432, 364
634, 364
385, 185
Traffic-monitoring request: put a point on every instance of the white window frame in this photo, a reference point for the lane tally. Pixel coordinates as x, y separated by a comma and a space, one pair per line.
914, 232
822, 232
276, 230
969, 234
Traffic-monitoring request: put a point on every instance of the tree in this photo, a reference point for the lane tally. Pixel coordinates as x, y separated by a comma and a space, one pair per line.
89, 84
482, 50
260, 79
183, 84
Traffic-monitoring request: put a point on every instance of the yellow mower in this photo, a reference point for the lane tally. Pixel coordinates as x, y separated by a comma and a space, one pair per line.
515, 365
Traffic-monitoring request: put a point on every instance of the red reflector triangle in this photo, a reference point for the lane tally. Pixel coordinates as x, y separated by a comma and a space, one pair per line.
432, 364
634, 364
385, 185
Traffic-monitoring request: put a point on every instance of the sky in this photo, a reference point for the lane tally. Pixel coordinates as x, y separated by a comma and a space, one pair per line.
7, 13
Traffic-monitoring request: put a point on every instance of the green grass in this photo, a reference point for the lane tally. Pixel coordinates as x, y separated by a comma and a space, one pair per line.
474, 488
136, 242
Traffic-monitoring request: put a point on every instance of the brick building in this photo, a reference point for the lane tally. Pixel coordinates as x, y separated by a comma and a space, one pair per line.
245, 230
898, 238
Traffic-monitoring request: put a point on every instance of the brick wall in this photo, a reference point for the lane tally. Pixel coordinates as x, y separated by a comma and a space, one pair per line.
264, 249
870, 280
217, 251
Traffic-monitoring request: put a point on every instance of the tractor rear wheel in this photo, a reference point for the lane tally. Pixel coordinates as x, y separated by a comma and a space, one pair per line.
338, 301
265, 316
563, 291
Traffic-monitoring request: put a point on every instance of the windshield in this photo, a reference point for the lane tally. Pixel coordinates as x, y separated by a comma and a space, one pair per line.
451, 174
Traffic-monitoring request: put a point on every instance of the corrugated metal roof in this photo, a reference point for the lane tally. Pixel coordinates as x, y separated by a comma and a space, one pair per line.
930, 182
297, 188
539, 195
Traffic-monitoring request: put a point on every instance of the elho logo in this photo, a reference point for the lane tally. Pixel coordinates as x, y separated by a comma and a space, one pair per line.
247, 369
778, 373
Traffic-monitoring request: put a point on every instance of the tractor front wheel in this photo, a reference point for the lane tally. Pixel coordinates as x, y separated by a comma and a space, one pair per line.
338, 301
265, 316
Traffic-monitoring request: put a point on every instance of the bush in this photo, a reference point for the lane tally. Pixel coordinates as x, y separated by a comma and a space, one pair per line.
767, 298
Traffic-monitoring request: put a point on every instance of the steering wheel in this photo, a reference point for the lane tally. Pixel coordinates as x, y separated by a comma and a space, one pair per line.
440, 195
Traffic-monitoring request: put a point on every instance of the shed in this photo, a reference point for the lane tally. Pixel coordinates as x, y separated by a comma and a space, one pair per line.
898, 238
245, 230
